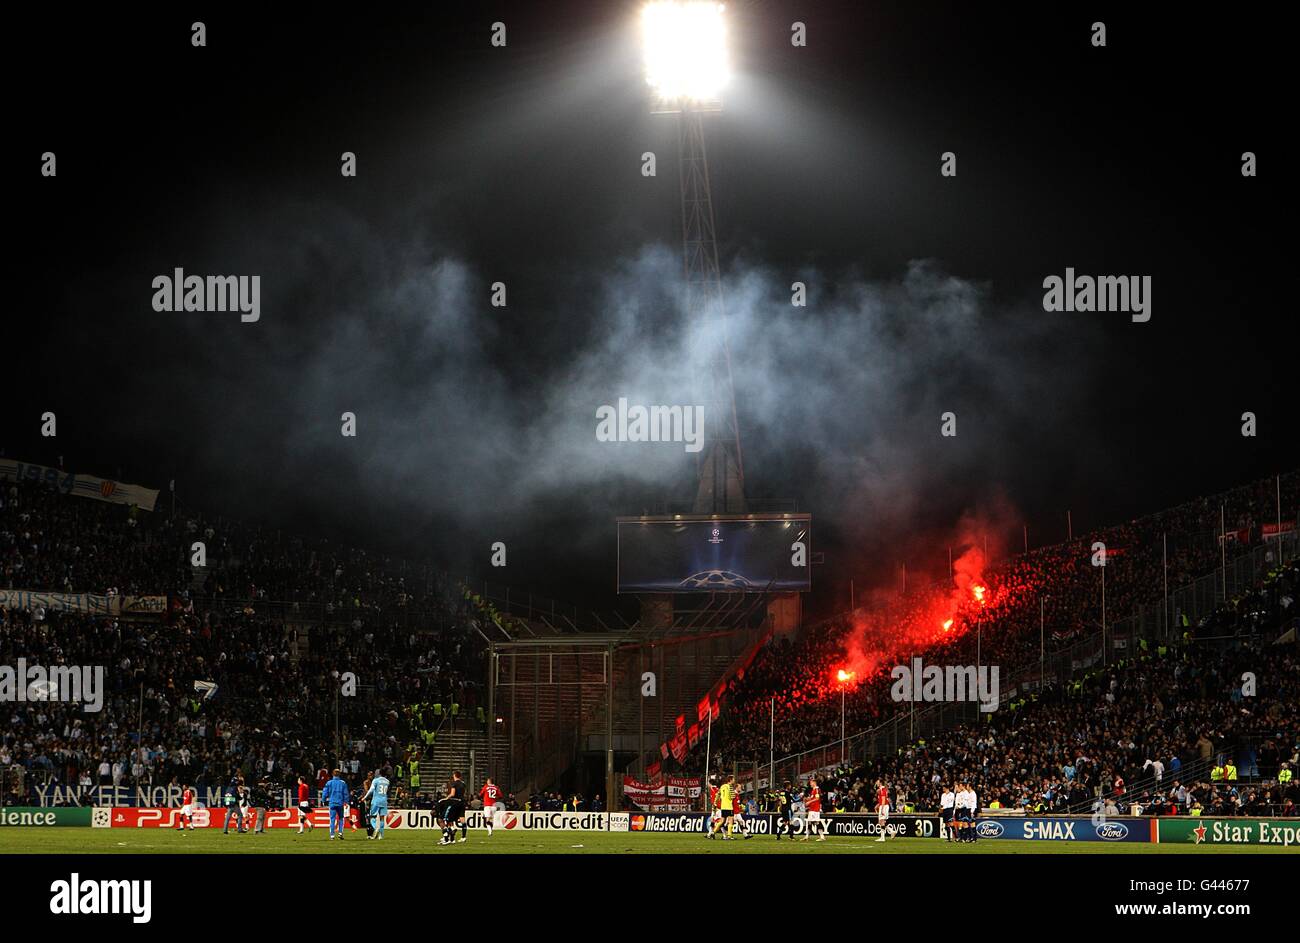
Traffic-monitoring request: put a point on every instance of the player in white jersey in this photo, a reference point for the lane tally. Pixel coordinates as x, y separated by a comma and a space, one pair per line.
947, 806
965, 812
972, 810
962, 816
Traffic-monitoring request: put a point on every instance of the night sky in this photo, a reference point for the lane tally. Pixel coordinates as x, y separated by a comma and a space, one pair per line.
523, 165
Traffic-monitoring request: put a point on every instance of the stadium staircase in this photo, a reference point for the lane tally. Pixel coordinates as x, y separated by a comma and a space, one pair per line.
464, 749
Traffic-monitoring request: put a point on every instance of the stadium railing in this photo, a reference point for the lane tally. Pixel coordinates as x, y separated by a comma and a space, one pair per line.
1194, 772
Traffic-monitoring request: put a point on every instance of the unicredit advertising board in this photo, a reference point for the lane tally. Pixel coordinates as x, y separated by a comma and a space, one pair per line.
402, 819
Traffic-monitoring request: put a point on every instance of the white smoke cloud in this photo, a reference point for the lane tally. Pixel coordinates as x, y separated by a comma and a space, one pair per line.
840, 400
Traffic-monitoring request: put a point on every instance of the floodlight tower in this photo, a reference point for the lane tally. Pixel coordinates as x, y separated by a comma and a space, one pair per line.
686, 66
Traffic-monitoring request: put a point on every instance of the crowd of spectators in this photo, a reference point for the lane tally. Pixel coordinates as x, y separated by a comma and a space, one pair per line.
282, 705
797, 679
52, 542
276, 623
1144, 735
557, 802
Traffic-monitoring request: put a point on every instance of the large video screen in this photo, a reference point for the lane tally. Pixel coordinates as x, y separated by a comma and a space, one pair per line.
736, 555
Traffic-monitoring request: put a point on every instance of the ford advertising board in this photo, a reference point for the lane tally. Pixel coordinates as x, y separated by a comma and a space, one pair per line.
1063, 828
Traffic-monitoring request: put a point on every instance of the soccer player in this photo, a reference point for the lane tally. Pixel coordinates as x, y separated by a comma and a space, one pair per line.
377, 794
799, 815
812, 801
248, 818
715, 816
959, 811
304, 805
785, 812
882, 809
738, 814
726, 809
946, 803
187, 810
361, 808
965, 812
490, 794
335, 795
454, 810
973, 804
442, 815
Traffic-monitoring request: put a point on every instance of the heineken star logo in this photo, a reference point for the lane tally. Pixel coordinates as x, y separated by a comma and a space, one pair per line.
1199, 832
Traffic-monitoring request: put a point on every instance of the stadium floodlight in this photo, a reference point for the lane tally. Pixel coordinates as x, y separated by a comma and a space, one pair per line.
686, 63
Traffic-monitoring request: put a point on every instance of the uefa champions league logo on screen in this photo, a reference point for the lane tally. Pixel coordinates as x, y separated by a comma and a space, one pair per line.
715, 580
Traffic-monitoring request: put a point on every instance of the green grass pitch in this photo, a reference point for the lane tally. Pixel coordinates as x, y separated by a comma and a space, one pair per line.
289, 842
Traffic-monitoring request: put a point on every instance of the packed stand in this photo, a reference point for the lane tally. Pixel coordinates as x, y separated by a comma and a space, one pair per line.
1121, 740
1000, 627
416, 652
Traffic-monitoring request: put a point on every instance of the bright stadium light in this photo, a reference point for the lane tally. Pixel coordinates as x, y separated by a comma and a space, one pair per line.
686, 63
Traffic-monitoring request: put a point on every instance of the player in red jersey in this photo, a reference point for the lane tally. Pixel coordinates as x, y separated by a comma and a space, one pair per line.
812, 802
187, 810
304, 805
882, 809
715, 814
491, 796
738, 814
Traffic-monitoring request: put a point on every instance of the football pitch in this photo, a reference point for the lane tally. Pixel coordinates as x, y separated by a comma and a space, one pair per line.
88, 841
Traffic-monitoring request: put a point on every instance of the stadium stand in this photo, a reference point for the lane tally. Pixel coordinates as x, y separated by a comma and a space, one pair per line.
1142, 736
275, 621
274, 624
794, 680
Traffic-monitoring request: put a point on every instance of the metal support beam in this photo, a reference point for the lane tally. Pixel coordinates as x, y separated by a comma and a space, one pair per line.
492, 708
721, 467
611, 804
